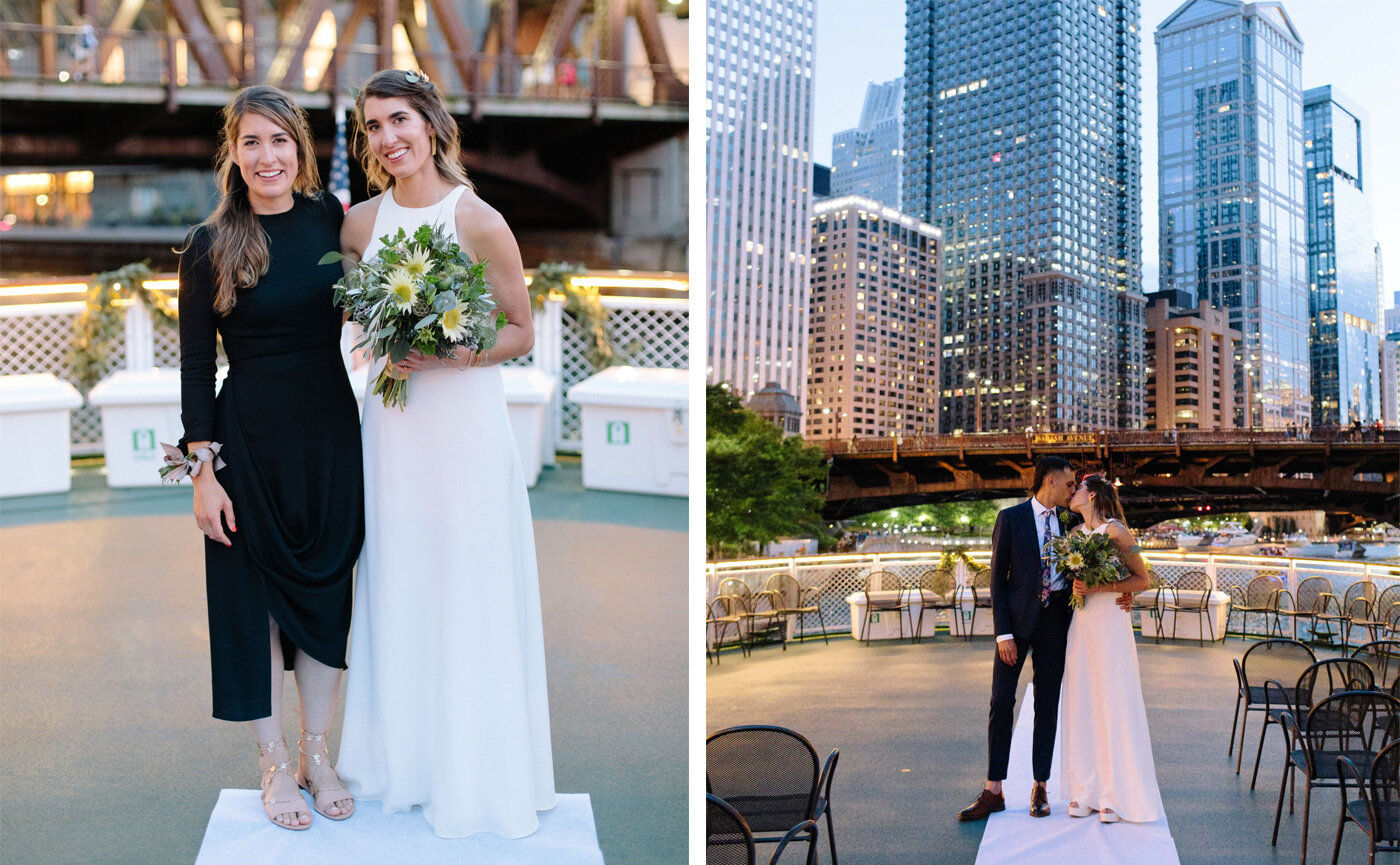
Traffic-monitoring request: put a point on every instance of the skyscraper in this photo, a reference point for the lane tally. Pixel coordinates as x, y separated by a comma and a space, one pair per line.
1230, 128
758, 97
1023, 144
869, 159
1346, 327
871, 368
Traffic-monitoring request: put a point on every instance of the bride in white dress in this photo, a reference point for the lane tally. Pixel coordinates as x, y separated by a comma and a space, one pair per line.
446, 706
1106, 752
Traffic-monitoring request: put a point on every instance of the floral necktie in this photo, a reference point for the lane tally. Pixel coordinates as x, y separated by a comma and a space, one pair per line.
1045, 563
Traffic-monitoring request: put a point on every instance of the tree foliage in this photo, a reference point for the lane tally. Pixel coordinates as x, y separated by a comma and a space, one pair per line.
942, 518
759, 486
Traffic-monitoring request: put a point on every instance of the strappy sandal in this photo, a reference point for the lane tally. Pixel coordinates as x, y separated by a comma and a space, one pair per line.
279, 807
319, 794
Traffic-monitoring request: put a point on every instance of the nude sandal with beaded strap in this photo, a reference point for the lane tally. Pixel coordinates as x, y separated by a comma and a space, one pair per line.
279, 807
319, 794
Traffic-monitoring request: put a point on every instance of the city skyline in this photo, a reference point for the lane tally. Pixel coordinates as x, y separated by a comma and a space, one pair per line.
1342, 57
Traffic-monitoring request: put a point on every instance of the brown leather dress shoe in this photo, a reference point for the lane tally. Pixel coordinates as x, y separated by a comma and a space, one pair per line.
987, 803
1040, 803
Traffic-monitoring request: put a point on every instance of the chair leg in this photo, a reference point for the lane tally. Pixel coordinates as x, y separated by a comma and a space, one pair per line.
1260, 752
1278, 812
822, 619
1239, 697
919, 627
1337, 845
1244, 722
812, 846
1307, 804
831, 834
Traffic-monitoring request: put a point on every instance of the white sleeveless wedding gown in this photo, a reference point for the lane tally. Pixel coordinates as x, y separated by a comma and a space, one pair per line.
1105, 748
445, 703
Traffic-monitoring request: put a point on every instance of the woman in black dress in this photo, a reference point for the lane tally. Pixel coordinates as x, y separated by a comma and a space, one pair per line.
284, 515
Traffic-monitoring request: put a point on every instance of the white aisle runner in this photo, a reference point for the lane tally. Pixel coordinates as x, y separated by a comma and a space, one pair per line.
240, 834
1014, 837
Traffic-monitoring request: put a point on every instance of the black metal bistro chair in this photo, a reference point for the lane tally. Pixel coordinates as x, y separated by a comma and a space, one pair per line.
1376, 808
771, 776
1375, 623
725, 611
936, 589
1361, 590
1317, 682
758, 614
728, 839
1260, 596
1353, 724
1169, 600
1149, 607
1384, 658
1280, 660
885, 581
1304, 604
981, 596
791, 598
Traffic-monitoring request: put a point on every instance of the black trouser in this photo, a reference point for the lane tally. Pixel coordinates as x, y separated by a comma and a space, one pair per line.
1047, 644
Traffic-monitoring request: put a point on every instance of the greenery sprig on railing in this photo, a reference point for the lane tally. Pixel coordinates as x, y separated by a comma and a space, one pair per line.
582, 302
950, 557
102, 320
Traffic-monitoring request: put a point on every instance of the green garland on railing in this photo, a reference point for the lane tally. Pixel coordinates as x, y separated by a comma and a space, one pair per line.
102, 321
582, 302
952, 555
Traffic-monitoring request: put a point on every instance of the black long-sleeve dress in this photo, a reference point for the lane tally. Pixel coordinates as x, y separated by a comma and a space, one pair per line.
290, 430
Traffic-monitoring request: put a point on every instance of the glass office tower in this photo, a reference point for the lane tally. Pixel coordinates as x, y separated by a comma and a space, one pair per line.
869, 159
1230, 133
1346, 326
758, 198
1023, 144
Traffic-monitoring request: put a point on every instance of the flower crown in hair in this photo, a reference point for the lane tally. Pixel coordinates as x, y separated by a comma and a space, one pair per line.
419, 77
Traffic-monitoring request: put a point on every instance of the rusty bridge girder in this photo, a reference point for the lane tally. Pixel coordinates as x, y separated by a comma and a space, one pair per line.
1160, 479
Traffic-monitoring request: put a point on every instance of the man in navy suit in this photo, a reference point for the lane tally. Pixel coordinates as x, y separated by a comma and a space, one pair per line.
1031, 612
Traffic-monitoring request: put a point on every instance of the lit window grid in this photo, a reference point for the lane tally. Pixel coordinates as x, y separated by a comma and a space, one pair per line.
1343, 301
872, 371
758, 198
1232, 197
1001, 167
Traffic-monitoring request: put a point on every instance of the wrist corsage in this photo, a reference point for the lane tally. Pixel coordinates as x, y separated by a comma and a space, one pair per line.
178, 464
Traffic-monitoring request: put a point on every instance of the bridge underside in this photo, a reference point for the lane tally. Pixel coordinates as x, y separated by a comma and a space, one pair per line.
1350, 482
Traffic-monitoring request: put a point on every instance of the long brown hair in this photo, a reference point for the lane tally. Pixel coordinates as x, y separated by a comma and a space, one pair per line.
239, 250
1105, 498
422, 96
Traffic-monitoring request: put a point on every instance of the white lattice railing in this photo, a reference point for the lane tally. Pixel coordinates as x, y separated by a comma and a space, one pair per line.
648, 332
839, 576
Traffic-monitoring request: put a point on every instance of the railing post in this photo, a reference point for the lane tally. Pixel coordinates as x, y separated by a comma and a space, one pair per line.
1210, 570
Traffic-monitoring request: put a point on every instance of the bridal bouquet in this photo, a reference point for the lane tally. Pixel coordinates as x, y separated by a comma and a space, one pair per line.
418, 291
1081, 556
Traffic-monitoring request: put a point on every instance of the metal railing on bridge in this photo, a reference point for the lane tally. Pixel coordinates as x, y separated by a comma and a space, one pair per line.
44, 54
1105, 438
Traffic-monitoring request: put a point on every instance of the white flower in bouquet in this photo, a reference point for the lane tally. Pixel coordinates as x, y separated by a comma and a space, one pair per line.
402, 289
418, 262
454, 323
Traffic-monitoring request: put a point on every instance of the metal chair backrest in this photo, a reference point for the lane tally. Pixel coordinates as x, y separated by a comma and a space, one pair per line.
1281, 660
982, 579
938, 581
1358, 610
1384, 658
728, 839
1261, 590
1192, 581
726, 606
735, 586
878, 581
1308, 591
1387, 597
1327, 605
1360, 589
787, 591
768, 774
1351, 721
1392, 617
1333, 676
1385, 791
